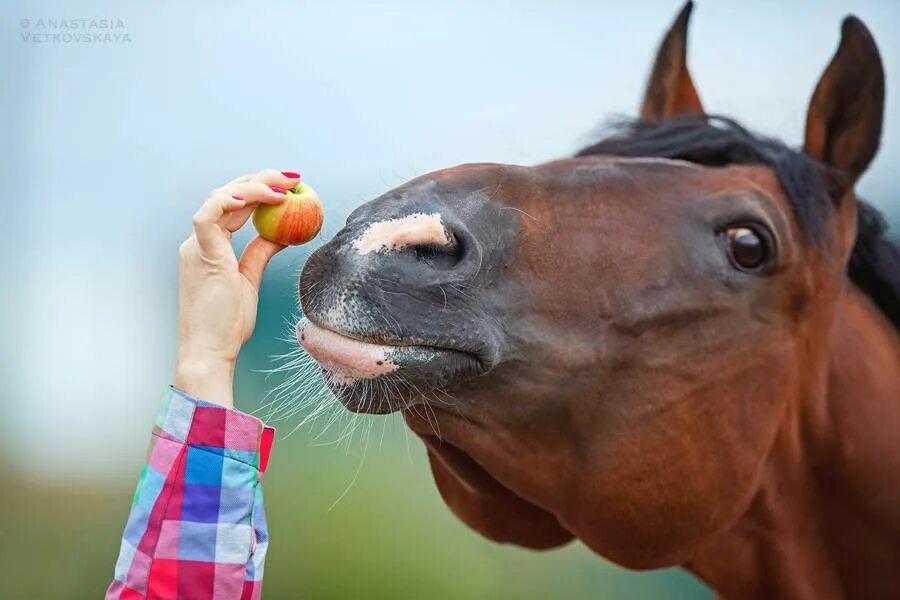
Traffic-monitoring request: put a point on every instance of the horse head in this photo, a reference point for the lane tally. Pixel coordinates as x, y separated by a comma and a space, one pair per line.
608, 347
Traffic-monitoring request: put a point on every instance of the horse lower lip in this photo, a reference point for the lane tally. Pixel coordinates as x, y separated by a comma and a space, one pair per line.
351, 364
347, 359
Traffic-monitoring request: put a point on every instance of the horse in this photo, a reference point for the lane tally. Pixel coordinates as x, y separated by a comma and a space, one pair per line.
679, 346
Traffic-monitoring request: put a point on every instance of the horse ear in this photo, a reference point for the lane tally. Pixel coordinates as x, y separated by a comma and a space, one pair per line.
670, 90
843, 125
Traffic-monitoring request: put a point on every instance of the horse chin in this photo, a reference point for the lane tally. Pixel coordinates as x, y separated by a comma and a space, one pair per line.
481, 501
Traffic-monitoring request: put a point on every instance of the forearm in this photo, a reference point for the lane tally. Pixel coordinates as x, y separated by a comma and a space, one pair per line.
205, 377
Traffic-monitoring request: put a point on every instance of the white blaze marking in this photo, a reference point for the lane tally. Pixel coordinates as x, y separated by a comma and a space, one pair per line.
411, 230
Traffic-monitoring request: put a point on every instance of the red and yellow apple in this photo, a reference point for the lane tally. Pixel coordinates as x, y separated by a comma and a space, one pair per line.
294, 221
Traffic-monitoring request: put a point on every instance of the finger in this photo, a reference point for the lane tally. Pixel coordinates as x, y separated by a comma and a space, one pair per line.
286, 179
207, 226
254, 191
265, 187
235, 220
255, 258
280, 179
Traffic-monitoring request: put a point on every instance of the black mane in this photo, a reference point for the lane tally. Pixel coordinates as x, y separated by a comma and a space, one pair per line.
718, 141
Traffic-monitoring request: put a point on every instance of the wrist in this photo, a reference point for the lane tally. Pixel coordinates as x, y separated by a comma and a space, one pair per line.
208, 378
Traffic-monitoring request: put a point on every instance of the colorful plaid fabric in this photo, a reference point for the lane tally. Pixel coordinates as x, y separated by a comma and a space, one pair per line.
197, 527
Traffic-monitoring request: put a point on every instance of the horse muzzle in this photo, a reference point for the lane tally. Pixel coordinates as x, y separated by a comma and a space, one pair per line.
398, 304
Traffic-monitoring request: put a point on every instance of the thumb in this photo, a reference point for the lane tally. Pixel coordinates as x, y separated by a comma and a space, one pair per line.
255, 258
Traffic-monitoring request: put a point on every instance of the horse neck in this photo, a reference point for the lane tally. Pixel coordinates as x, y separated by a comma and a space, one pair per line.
825, 519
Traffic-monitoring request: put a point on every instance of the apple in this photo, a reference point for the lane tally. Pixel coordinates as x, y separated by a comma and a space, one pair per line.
294, 221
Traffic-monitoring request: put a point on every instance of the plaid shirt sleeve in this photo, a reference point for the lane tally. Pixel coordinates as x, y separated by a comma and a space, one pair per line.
197, 527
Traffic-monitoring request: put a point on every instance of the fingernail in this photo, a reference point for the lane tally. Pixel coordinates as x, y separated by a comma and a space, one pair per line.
278, 189
291, 174
237, 197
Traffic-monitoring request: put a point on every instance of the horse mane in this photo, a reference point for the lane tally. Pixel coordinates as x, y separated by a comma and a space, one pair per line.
717, 141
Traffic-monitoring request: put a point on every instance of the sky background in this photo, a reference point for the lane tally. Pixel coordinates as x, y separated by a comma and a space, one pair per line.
110, 147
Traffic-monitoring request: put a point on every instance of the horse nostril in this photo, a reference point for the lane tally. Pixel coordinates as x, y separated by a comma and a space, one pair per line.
438, 256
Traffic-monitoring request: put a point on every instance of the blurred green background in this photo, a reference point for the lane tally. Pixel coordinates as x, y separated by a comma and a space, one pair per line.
109, 147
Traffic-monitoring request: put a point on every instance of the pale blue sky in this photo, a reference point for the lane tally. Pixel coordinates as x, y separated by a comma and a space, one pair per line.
110, 147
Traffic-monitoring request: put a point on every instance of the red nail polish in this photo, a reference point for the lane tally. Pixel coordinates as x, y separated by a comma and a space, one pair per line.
278, 189
237, 197
291, 174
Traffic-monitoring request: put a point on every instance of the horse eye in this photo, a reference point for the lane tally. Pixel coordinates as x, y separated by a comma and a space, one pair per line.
746, 248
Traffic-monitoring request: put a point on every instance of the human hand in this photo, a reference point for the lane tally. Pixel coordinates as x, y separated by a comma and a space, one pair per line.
217, 299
